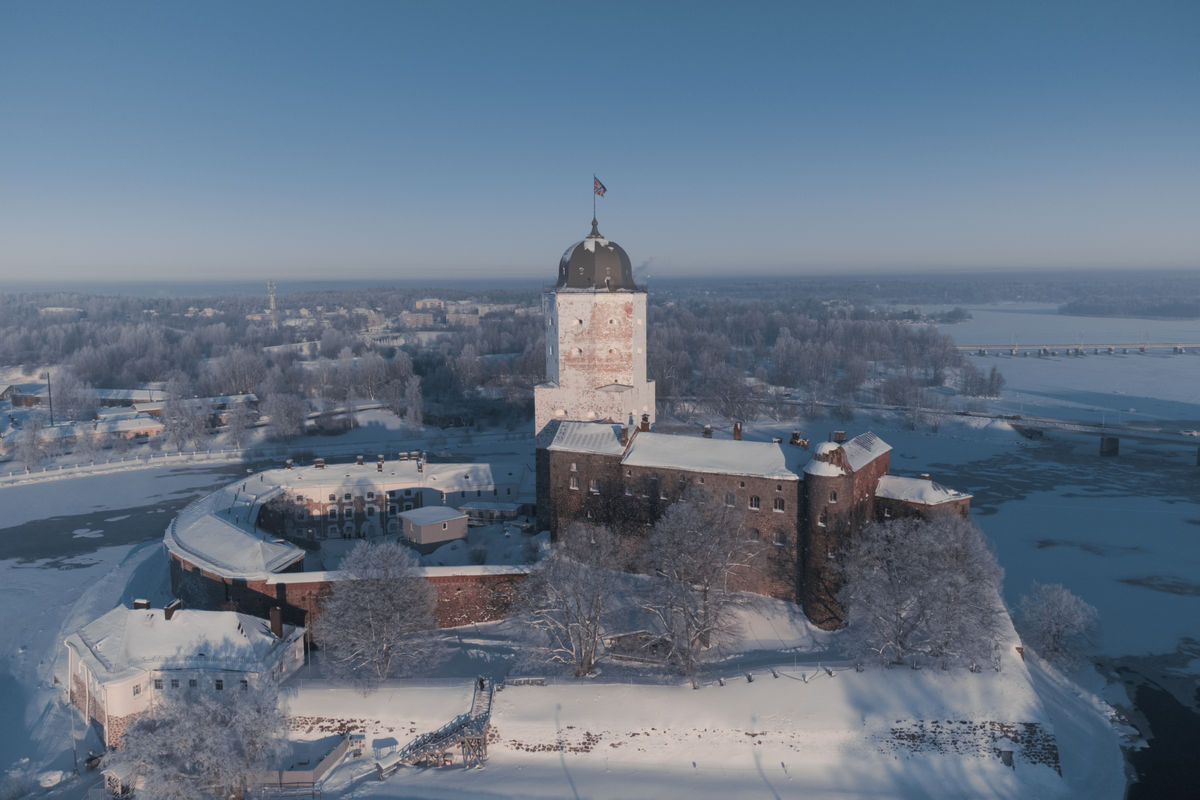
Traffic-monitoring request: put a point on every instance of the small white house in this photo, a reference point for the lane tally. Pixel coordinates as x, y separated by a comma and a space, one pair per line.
119, 664
433, 525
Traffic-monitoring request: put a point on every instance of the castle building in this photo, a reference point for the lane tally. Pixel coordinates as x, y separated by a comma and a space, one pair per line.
599, 459
595, 340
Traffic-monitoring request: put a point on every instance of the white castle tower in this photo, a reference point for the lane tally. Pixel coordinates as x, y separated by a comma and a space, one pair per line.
595, 340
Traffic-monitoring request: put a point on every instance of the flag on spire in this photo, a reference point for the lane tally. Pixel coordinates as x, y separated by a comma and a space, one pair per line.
598, 187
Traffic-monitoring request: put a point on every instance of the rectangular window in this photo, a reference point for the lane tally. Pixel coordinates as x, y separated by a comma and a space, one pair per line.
158, 684
574, 467
174, 683
754, 503
220, 684
137, 689
594, 486
628, 490
730, 500
370, 495
333, 513
408, 492
245, 684
780, 505
191, 683
780, 539
574, 484
332, 498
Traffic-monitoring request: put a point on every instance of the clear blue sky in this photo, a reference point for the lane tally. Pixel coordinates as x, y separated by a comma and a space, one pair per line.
451, 139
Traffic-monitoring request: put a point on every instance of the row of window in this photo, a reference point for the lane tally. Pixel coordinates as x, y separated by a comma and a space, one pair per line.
755, 503
218, 684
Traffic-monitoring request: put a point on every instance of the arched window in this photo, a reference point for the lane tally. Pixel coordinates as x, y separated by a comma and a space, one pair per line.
833, 495
754, 502
755, 534
780, 505
821, 520
574, 482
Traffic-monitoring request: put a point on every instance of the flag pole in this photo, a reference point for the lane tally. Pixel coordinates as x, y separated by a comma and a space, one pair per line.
593, 196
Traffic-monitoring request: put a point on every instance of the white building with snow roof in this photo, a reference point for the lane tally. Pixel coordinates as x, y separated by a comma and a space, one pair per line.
121, 663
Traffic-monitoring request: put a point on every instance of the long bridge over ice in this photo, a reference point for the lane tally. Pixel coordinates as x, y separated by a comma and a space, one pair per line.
1078, 349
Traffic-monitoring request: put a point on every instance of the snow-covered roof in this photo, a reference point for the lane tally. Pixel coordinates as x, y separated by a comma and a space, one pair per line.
128, 641
601, 438
727, 456
218, 531
429, 515
916, 490
863, 449
823, 469
449, 477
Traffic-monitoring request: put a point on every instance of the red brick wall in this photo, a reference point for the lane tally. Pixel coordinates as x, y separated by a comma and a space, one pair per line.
461, 600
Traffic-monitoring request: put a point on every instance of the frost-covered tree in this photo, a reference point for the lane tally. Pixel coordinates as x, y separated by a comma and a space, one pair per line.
73, 398
414, 404
31, 447
286, 414
569, 593
916, 587
202, 744
692, 550
1058, 623
377, 621
237, 420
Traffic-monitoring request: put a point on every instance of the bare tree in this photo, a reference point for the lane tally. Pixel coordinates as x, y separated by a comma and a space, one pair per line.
31, 446
916, 587
237, 420
694, 547
377, 620
414, 403
1060, 623
202, 744
568, 594
286, 414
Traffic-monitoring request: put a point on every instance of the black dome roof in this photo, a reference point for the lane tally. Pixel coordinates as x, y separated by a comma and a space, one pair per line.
595, 263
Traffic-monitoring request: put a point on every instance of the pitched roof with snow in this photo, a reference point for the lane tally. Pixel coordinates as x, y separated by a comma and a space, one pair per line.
128, 641
916, 490
600, 438
863, 449
725, 456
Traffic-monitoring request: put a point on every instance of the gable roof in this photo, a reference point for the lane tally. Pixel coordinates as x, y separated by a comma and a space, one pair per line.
863, 449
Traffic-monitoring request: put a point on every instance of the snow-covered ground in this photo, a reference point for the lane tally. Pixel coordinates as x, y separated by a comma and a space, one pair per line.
1121, 532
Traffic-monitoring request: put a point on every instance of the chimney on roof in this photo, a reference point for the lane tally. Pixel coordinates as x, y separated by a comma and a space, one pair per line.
170, 608
288, 464
775, 440
737, 431
318, 463
276, 622
795, 438
645, 426
624, 436
358, 460
707, 431
839, 437
139, 604
379, 464
925, 476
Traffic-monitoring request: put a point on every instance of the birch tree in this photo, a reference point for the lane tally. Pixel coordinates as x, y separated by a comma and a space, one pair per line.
377, 622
